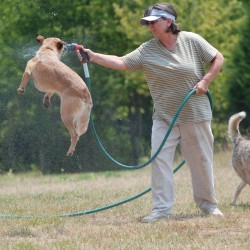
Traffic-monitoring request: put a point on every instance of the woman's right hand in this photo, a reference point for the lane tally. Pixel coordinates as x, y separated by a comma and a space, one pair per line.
88, 54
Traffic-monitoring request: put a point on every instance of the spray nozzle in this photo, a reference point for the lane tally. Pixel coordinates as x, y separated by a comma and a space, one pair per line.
74, 47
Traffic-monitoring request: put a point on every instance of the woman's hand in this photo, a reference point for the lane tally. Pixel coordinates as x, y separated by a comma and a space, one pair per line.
88, 52
201, 87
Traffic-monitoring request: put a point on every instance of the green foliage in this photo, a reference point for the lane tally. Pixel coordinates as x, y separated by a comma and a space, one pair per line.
239, 70
32, 136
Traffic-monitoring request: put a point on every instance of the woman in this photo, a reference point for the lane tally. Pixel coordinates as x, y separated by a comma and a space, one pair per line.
173, 63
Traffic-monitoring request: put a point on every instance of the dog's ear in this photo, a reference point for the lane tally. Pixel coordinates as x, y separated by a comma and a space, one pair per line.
59, 45
40, 38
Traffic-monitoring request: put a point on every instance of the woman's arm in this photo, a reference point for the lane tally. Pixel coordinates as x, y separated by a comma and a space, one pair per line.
109, 61
213, 71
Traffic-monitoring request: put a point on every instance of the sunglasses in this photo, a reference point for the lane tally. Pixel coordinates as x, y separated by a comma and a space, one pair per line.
155, 21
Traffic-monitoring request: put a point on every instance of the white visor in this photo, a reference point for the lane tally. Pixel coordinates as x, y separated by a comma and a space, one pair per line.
156, 14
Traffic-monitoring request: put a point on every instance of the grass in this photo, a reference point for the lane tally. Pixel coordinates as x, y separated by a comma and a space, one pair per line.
119, 227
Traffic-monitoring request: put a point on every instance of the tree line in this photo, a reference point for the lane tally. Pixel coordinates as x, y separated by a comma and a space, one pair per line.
34, 138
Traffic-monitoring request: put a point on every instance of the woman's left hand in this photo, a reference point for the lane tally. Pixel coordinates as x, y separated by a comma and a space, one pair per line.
201, 87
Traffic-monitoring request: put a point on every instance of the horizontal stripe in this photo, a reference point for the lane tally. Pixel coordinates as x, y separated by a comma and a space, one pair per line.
171, 75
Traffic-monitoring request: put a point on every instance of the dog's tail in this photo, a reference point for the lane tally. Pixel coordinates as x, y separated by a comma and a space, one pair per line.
233, 126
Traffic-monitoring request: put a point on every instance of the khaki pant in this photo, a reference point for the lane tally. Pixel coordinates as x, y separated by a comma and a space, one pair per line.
196, 141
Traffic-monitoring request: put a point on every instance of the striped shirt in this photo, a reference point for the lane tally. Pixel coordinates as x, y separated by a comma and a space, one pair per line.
171, 75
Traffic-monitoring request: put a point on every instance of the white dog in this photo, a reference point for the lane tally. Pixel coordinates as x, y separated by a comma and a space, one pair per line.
241, 153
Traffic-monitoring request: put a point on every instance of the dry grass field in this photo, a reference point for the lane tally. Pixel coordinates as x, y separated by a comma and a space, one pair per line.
119, 227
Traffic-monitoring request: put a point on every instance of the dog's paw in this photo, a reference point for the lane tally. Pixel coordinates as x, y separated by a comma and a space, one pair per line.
70, 153
46, 102
46, 105
20, 91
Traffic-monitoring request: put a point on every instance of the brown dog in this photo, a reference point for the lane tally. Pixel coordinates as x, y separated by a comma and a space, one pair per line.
51, 76
241, 152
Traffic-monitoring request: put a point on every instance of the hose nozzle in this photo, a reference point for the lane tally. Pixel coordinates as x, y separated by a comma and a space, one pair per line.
74, 47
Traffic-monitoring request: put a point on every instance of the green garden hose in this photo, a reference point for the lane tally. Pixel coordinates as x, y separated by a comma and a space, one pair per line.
87, 78
73, 214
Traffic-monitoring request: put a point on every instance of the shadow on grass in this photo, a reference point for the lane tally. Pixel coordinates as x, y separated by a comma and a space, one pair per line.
198, 215
182, 217
244, 206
